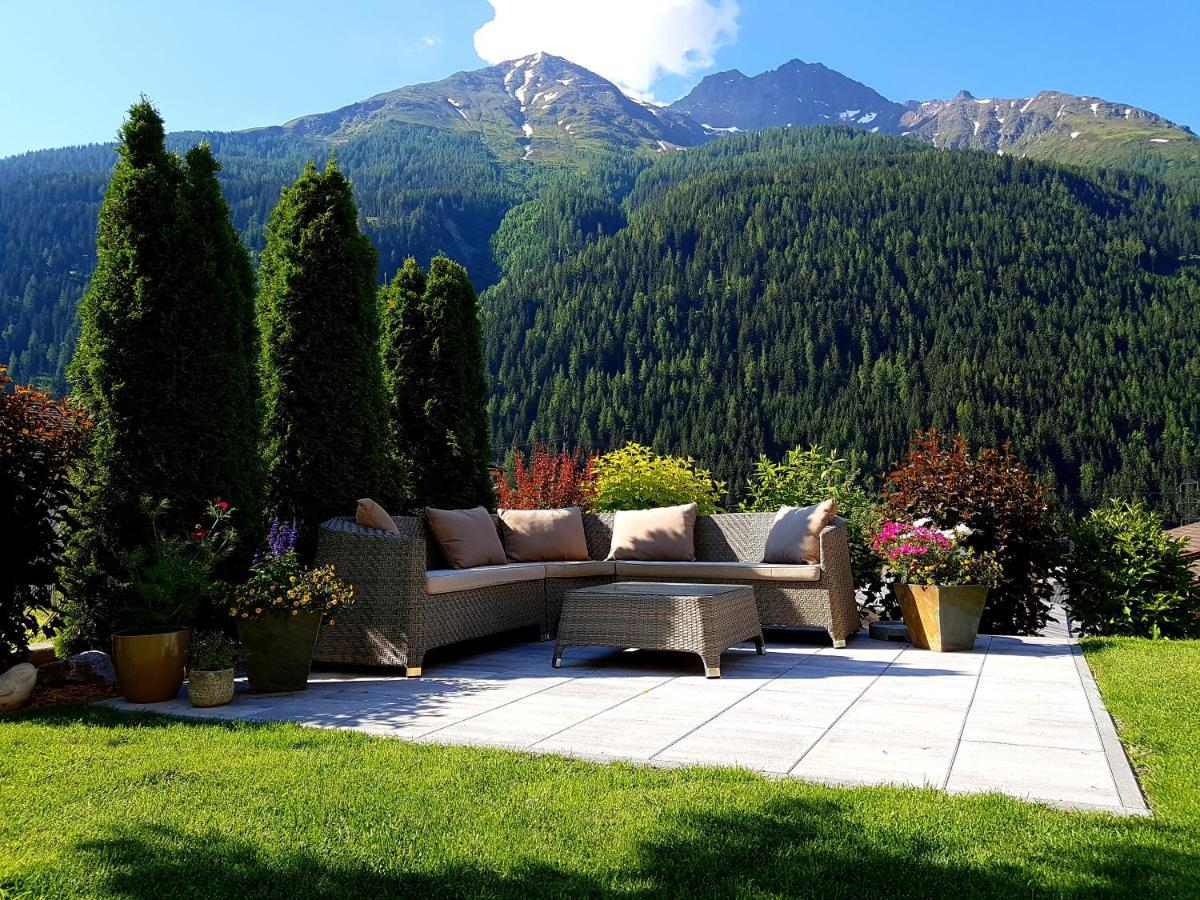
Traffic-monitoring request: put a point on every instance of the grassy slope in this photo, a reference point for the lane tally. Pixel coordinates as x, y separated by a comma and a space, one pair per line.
147, 807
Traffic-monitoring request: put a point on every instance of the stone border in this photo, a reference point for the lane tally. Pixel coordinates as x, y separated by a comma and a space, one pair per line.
1133, 801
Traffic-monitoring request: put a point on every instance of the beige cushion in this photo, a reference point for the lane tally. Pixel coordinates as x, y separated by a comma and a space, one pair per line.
735, 571
447, 581
542, 535
467, 537
795, 535
587, 568
666, 533
371, 515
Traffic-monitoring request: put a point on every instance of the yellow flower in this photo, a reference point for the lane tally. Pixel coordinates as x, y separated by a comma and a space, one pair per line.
295, 612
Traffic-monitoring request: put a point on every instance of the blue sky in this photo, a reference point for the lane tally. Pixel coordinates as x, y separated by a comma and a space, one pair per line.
71, 67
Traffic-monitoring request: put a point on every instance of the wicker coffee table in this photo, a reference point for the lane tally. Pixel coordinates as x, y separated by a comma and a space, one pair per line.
705, 619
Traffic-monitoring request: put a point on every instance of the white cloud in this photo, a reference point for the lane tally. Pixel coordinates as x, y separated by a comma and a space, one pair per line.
630, 42
431, 40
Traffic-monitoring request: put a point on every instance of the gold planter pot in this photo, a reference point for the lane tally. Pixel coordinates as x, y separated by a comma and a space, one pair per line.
150, 666
211, 688
942, 617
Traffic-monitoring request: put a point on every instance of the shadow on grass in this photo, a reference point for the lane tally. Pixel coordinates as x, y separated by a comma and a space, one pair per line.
788, 848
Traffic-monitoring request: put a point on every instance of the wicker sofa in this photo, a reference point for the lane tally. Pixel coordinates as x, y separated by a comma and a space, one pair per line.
408, 601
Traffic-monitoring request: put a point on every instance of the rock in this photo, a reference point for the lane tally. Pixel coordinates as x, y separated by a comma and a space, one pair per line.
16, 685
92, 667
100, 662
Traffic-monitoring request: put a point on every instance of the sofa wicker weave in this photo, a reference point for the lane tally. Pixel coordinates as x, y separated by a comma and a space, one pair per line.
407, 601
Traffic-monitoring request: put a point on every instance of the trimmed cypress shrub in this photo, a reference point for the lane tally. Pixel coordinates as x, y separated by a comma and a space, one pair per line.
164, 368
325, 416
433, 355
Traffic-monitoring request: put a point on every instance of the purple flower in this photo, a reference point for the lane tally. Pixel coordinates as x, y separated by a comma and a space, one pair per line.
281, 538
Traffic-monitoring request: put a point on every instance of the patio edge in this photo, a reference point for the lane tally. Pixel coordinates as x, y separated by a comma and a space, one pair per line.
1133, 800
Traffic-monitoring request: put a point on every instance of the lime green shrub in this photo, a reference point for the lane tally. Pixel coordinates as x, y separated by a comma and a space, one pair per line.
804, 477
635, 477
1126, 576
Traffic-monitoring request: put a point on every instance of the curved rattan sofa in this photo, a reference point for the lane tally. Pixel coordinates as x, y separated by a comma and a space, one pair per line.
408, 601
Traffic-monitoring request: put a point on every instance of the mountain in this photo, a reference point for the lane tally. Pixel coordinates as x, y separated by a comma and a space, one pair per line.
787, 285
797, 93
1050, 125
534, 107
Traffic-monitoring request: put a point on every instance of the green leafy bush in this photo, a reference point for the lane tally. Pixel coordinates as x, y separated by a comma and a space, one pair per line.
635, 477
1125, 576
804, 477
212, 651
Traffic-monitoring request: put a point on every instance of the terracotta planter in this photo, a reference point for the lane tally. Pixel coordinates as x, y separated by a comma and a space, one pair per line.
212, 688
150, 666
278, 651
942, 617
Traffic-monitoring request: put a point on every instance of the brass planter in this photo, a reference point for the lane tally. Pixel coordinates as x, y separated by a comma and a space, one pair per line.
211, 688
942, 617
278, 650
150, 666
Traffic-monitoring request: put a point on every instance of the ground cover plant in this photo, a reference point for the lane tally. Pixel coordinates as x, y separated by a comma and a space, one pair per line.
145, 806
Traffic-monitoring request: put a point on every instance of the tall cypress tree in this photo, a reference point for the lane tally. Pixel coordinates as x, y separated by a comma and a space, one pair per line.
325, 416
433, 355
164, 367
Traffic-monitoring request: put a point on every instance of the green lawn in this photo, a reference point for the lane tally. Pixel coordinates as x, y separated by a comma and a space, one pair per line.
100, 804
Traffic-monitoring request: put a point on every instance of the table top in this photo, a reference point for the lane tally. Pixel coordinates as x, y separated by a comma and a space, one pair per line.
659, 589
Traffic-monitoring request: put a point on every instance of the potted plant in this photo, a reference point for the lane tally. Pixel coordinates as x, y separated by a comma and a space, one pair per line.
279, 612
170, 579
940, 582
212, 656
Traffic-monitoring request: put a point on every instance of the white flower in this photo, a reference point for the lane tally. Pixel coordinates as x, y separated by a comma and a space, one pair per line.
921, 523
963, 530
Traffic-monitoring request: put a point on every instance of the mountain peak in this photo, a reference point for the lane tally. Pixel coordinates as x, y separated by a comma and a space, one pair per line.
796, 93
964, 95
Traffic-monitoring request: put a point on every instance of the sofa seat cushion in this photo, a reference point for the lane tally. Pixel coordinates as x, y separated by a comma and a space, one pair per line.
585, 568
448, 581
735, 571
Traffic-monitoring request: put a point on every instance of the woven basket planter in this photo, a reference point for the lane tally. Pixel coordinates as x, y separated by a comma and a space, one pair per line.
278, 651
207, 689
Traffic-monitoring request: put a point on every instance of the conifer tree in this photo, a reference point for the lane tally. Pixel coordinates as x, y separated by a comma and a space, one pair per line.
164, 368
325, 416
433, 353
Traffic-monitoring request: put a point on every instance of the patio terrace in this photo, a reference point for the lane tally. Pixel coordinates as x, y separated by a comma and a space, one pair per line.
1020, 716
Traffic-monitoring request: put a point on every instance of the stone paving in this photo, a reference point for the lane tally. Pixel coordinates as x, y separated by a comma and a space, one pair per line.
1020, 716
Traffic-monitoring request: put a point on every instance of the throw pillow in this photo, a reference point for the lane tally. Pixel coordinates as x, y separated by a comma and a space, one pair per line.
468, 537
664, 533
543, 535
371, 515
795, 536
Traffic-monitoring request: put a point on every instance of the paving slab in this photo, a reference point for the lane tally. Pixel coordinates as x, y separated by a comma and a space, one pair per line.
1020, 716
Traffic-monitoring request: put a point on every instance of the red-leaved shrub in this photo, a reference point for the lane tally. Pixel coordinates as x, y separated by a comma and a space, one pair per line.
1010, 512
549, 480
39, 438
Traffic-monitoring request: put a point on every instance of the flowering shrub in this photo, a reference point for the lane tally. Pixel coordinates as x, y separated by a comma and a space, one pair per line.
550, 480
1008, 511
1126, 576
39, 439
174, 577
920, 554
804, 477
635, 477
280, 585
